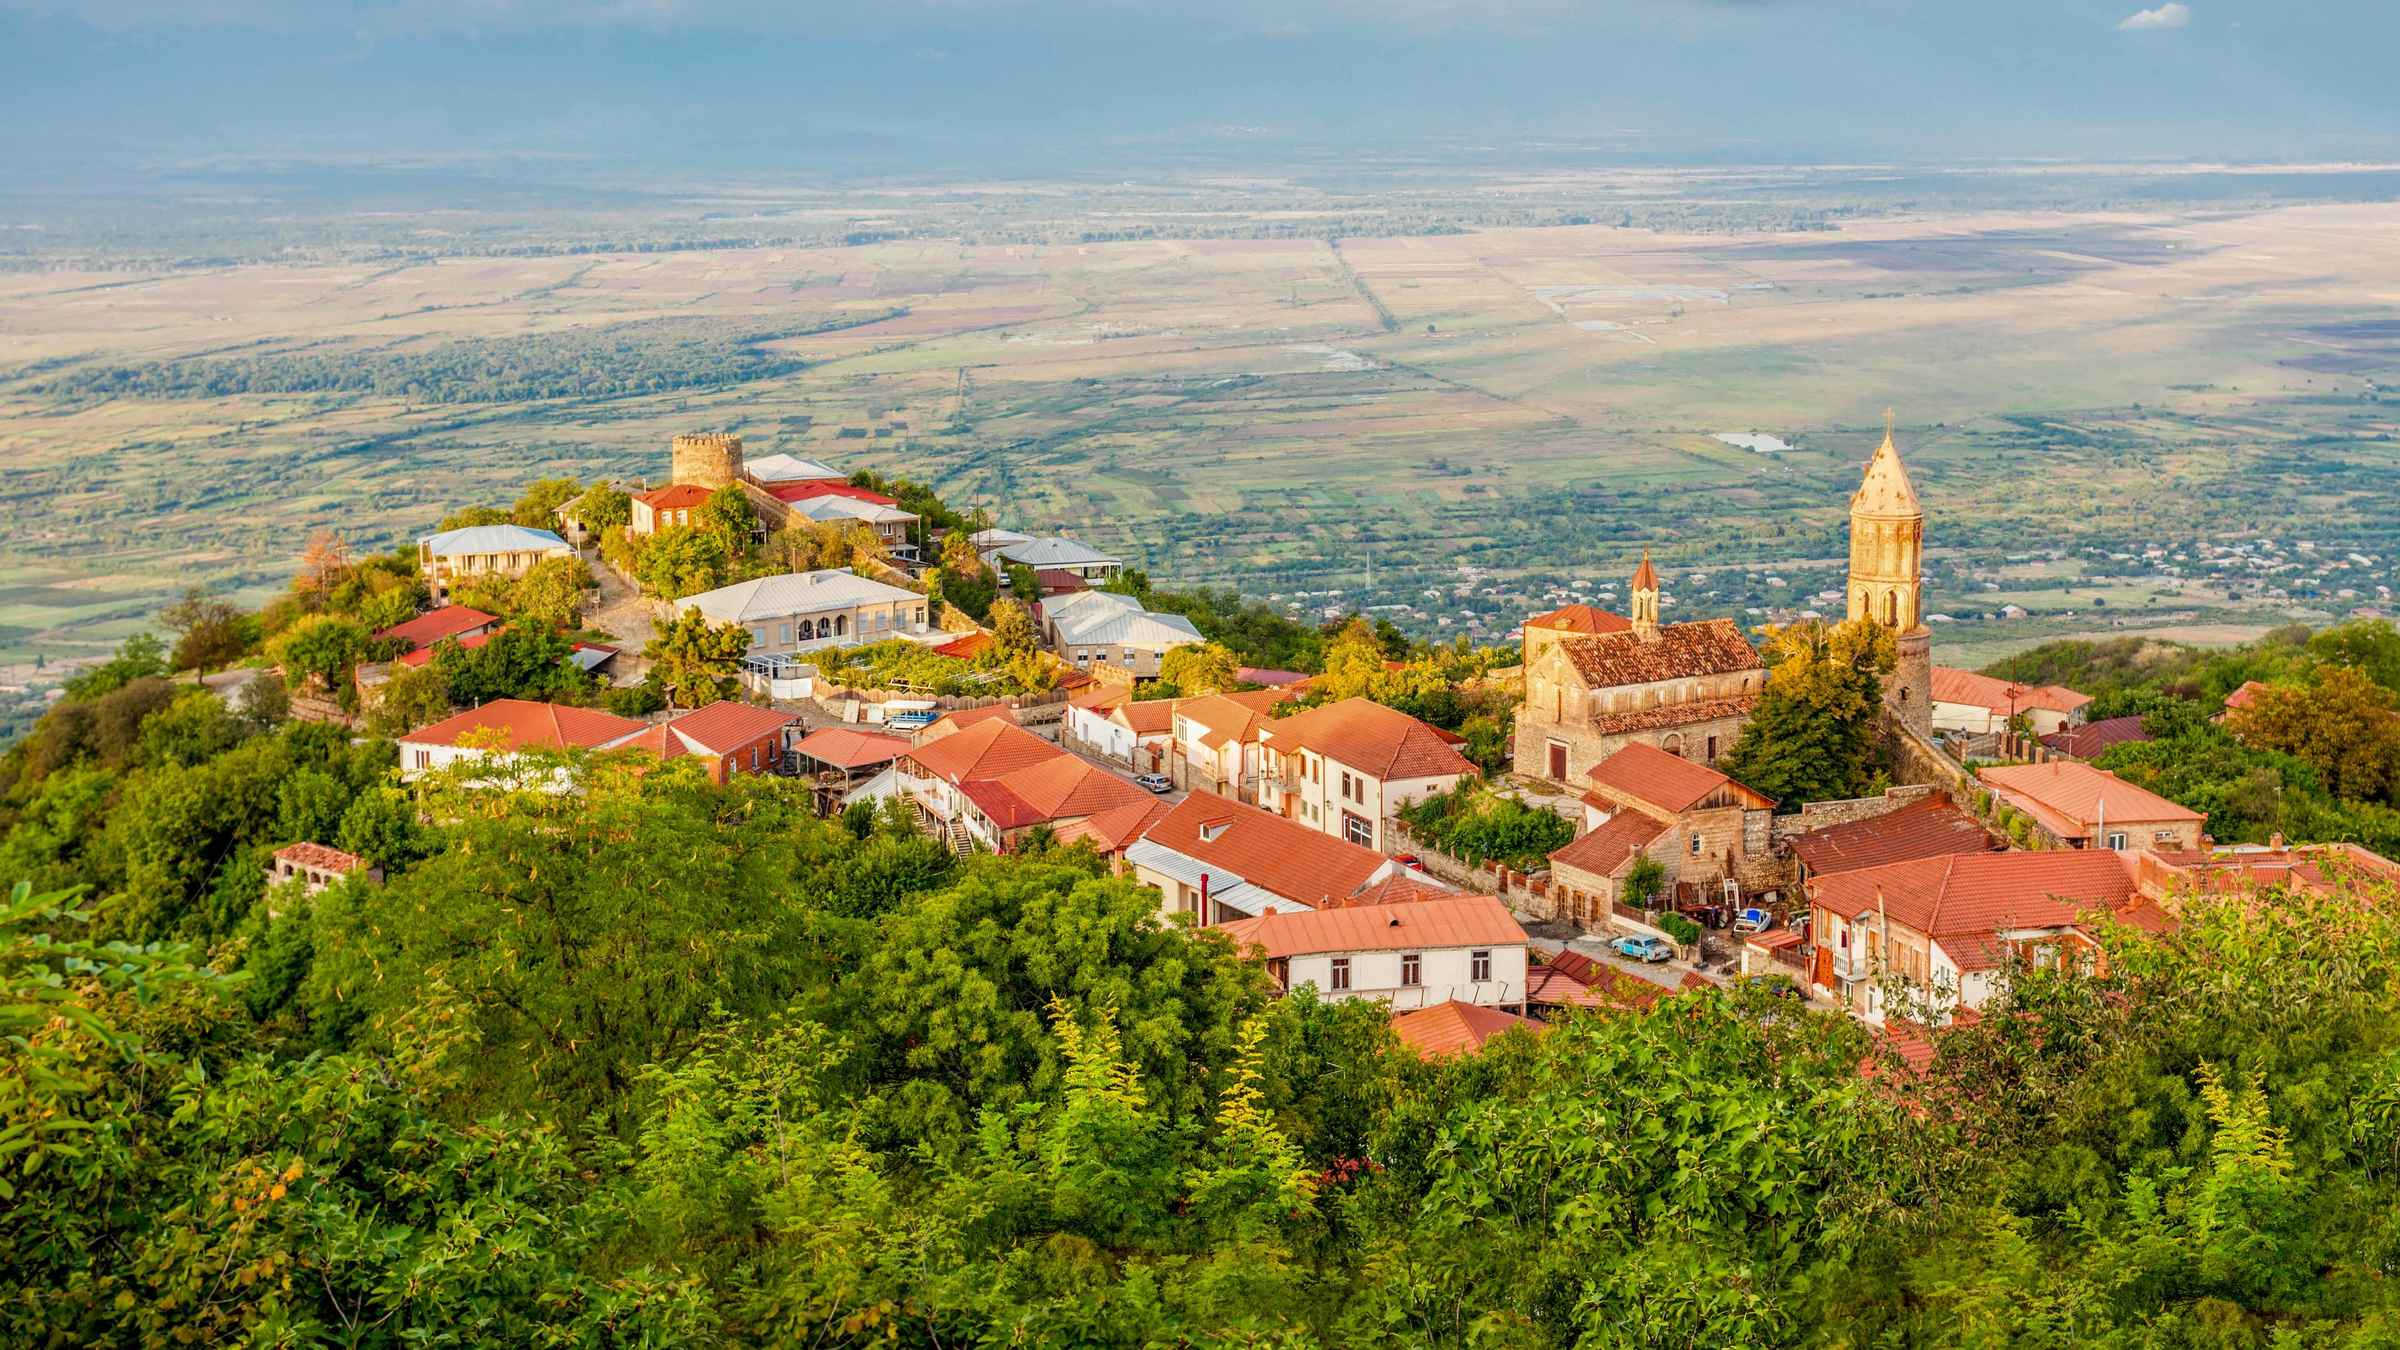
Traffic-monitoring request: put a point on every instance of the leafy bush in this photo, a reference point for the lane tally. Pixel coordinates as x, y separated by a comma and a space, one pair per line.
1473, 822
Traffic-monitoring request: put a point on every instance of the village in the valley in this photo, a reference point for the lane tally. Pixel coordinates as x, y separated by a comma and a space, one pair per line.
1267, 803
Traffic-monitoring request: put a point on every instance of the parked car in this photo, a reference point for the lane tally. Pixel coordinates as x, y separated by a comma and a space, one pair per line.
1410, 861
1634, 948
1753, 920
1155, 782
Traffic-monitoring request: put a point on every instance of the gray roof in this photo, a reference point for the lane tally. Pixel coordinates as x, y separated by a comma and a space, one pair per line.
786, 469
1116, 626
1053, 552
792, 593
849, 508
490, 539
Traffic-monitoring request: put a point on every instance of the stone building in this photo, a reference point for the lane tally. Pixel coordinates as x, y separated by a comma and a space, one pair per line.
1702, 828
1887, 578
708, 459
1685, 688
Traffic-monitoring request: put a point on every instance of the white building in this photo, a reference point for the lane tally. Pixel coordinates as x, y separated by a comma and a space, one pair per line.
1112, 629
1412, 954
805, 611
1051, 554
493, 735
1220, 861
1346, 768
453, 557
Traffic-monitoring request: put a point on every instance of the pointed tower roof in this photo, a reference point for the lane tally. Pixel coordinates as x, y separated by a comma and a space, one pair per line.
1886, 491
1645, 577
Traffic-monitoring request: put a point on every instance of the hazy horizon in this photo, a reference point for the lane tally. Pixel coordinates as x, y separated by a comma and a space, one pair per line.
103, 94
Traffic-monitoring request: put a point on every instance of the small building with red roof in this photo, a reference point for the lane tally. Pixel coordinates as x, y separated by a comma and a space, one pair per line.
1700, 825
2085, 807
661, 508
1982, 704
500, 729
1218, 860
1346, 768
1414, 954
1215, 746
985, 786
434, 625
1952, 923
1932, 826
726, 737
317, 866
2091, 739
1544, 631
1455, 1028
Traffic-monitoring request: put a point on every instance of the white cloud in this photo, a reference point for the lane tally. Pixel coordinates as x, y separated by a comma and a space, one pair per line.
2172, 14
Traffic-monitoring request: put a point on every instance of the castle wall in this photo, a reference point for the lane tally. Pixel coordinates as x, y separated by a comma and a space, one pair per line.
709, 459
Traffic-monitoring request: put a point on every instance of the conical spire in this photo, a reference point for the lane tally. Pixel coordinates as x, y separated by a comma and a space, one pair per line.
1645, 599
1645, 577
1886, 491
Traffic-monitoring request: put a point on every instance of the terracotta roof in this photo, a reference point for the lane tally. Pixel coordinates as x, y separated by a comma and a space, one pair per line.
1671, 783
1549, 986
424, 655
1227, 718
1930, 827
802, 491
1645, 577
1455, 1028
2088, 740
1273, 679
1420, 925
1583, 620
1402, 886
2309, 867
1062, 787
1147, 716
1615, 986
2068, 798
1952, 685
966, 647
1963, 900
1774, 939
1367, 736
847, 749
960, 719
524, 723
725, 726
1602, 851
1673, 715
1680, 651
433, 625
1111, 830
988, 749
321, 857
676, 497
1058, 581
1303, 865
2245, 696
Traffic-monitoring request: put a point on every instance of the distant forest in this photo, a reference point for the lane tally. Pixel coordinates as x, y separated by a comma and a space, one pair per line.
649, 357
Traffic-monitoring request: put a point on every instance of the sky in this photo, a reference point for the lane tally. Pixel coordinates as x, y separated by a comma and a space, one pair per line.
912, 85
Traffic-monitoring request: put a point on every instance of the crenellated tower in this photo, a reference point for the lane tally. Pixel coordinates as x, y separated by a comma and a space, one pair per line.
1887, 576
709, 459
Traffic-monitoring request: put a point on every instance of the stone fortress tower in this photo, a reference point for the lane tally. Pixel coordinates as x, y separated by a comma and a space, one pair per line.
709, 459
1887, 577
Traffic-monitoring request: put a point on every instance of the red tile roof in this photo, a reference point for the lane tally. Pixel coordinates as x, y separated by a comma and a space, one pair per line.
1962, 901
321, 857
966, 647
1062, 787
1283, 856
2308, 867
1147, 716
2068, 798
1455, 1028
961, 718
817, 487
988, 749
1603, 850
1111, 830
1583, 620
1680, 651
1952, 685
1668, 715
424, 655
523, 723
1422, 925
1402, 886
847, 749
1618, 988
1227, 718
1549, 986
1058, 581
1930, 827
1673, 784
676, 497
2245, 696
1273, 679
725, 726
1645, 577
2088, 740
433, 625
1371, 738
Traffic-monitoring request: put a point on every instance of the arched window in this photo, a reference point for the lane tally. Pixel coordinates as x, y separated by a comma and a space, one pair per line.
841, 624
1891, 609
1672, 743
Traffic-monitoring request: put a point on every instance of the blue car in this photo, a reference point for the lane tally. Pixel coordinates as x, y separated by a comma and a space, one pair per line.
1642, 948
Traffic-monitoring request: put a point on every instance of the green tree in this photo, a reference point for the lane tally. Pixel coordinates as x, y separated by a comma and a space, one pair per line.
1812, 735
551, 593
1354, 663
1199, 668
320, 652
209, 632
1012, 628
538, 508
729, 515
696, 662
682, 560
2342, 724
413, 697
141, 656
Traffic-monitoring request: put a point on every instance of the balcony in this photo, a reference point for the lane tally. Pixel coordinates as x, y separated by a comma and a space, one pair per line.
1850, 965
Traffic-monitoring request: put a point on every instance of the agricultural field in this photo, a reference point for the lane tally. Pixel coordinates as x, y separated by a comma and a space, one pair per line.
1449, 427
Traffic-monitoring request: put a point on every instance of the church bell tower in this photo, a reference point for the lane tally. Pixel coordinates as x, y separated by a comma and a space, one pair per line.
1645, 600
1887, 577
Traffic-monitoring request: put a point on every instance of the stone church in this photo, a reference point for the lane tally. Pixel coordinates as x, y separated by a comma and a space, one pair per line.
1596, 682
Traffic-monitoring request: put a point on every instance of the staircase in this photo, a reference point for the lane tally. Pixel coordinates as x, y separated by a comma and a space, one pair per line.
955, 835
